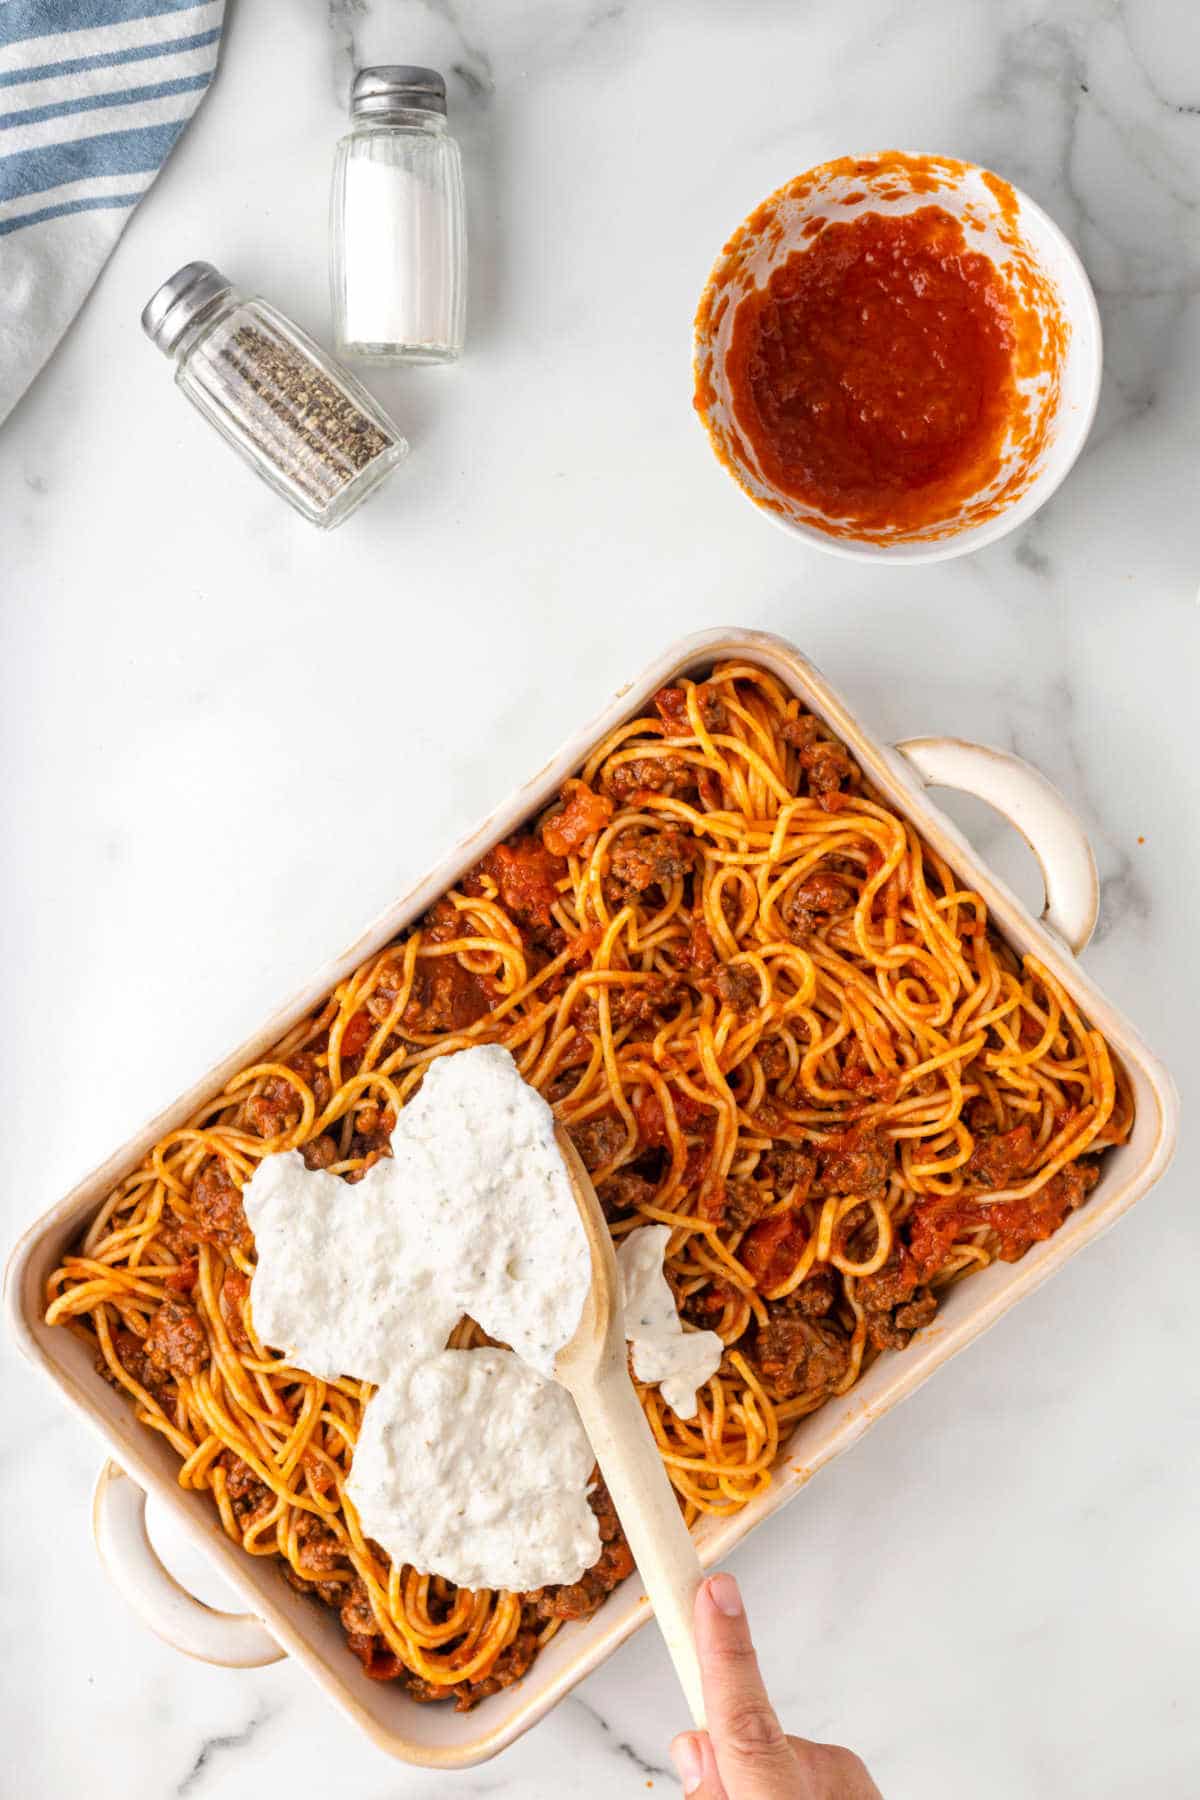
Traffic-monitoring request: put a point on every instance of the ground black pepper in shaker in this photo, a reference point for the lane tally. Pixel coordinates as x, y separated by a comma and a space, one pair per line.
305, 425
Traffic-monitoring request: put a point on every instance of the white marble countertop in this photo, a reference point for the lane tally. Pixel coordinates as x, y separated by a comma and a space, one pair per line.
227, 745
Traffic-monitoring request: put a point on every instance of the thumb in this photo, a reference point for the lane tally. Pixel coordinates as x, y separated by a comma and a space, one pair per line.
753, 1755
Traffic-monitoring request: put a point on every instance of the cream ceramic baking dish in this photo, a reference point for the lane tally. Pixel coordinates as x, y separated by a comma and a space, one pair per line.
280, 1621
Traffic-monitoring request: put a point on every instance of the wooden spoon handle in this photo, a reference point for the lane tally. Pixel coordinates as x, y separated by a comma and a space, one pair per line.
641, 1491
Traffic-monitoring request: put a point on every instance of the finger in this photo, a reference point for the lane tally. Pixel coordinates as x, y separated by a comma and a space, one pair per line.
753, 1756
832, 1770
697, 1766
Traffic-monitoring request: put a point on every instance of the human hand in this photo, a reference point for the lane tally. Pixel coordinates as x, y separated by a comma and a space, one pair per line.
745, 1754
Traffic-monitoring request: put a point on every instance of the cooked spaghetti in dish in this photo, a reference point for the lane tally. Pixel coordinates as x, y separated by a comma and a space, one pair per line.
771, 1018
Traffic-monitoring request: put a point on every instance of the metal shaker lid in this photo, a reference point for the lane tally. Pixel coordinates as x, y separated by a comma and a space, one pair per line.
171, 309
396, 87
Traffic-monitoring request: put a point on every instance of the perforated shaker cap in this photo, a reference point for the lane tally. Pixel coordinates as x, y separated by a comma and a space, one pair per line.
172, 307
396, 87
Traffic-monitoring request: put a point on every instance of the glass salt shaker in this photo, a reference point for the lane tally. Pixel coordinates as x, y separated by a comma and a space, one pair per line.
398, 246
306, 426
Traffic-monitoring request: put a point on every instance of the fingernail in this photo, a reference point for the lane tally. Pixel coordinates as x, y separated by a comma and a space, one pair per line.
689, 1760
724, 1594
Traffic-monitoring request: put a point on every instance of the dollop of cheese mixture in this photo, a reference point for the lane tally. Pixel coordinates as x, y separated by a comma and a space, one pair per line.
470, 1464
472, 1213
473, 1465
679, 1361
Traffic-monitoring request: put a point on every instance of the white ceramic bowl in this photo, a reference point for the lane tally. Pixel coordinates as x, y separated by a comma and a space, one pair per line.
1037, 264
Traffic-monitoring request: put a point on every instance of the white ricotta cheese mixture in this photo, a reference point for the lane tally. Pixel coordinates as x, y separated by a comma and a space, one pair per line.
470, 1464
679, 1361
472, 1213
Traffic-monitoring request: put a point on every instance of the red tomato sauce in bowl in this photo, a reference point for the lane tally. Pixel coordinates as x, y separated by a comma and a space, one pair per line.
873, 374
880, 351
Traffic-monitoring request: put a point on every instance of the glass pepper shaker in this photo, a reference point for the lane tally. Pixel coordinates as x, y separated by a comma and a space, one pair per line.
398, 244
306, 426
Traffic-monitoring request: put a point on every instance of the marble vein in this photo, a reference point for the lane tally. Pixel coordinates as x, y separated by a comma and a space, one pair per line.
214, 1748
656, 1771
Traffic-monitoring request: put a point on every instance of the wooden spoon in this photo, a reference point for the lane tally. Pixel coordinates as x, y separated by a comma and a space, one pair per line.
594, 1370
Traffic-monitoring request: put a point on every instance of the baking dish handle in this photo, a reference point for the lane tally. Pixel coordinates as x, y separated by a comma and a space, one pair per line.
231, 1640
1039, 812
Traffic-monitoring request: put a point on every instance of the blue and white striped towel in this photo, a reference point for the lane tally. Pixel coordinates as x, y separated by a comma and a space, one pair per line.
93, 94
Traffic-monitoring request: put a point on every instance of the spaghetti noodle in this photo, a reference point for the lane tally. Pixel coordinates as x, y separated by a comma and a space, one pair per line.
772, 1020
